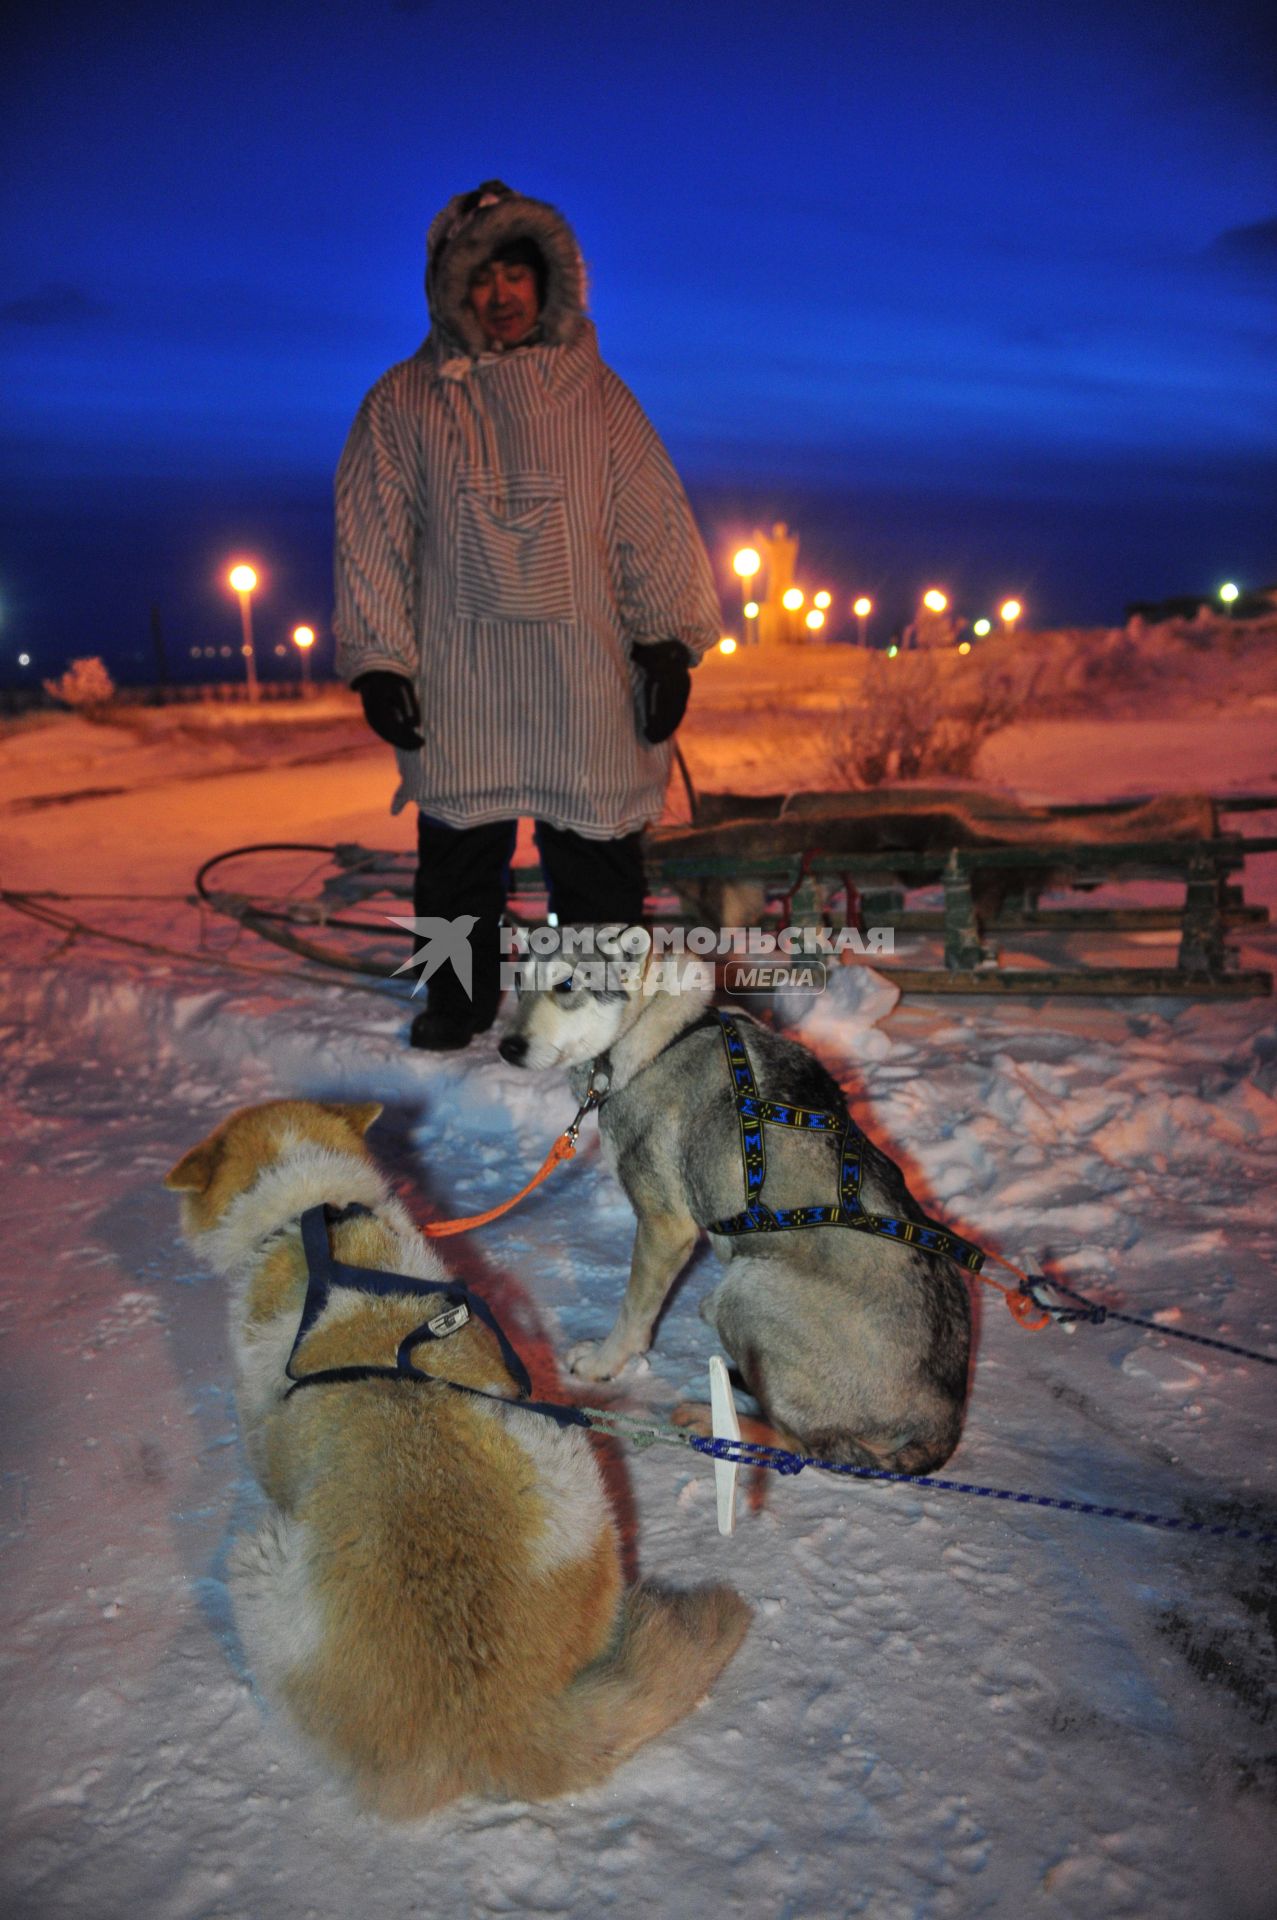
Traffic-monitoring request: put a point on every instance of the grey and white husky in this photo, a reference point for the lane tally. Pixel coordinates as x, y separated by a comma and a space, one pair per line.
854, 1341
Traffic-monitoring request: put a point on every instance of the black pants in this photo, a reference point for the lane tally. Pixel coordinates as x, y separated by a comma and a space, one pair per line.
467, 870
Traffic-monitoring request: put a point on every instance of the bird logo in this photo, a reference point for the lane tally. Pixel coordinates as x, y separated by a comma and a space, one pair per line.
445, 940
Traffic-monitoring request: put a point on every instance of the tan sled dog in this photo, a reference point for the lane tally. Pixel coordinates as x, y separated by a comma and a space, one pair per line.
436, 1596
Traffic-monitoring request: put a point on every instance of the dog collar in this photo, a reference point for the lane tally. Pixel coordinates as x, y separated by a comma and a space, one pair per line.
600, 1086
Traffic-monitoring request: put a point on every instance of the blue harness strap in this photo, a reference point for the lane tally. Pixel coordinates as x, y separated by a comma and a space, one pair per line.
324, 1274
754, 1113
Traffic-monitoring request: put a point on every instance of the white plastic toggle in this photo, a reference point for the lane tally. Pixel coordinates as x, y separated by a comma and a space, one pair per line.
726, 1427
451, 1320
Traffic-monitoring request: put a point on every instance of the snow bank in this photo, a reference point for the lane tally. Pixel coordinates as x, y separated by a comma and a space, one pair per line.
945, 1707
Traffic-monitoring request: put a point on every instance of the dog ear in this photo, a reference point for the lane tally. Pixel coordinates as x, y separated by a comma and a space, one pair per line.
358, 1114
194, 1171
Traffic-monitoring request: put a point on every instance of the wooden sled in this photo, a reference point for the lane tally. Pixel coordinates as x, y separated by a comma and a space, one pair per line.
853, 860
837, 859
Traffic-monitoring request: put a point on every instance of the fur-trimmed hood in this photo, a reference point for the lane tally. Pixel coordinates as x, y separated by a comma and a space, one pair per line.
467, 233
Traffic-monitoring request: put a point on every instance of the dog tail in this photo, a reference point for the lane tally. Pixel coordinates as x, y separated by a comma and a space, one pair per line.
669, 1650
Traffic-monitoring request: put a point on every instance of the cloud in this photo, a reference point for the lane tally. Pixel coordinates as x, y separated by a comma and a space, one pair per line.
1253, 248
51, 305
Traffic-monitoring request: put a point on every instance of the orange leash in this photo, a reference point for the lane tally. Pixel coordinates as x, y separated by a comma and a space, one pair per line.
563, 1149
1019, 1300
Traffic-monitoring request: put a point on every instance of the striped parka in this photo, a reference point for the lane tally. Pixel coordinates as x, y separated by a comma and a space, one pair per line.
508, 525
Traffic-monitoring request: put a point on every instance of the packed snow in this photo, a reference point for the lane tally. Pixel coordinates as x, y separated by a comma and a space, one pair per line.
944, 1707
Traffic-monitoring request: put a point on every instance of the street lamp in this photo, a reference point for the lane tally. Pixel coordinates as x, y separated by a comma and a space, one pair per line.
815, 619
792, 599
862, 608
727, 644
1009, 612
746, 562
823, 600
1230, 593
934, 600
304, 640
982, 628
243, 579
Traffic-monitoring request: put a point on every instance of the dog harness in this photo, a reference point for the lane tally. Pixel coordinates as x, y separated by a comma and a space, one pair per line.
324, 1275
755, 1113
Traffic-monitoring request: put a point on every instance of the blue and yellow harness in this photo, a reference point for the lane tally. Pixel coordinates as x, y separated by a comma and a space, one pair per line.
755, 1113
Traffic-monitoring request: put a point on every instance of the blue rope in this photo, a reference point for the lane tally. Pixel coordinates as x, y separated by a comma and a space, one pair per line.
748, 1453
1094, 1313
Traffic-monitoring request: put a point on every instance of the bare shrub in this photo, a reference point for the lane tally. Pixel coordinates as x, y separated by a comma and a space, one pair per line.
86, 687
921, 715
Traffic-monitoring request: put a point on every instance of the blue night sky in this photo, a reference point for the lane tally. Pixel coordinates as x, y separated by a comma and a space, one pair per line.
978, 294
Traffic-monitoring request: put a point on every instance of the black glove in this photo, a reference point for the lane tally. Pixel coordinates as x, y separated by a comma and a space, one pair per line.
390, 707
664, 688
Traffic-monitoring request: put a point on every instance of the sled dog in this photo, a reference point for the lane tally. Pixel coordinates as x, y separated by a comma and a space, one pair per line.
435, 1597
854, 1345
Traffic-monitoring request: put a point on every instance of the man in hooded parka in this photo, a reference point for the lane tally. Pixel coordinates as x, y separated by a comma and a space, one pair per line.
520, 590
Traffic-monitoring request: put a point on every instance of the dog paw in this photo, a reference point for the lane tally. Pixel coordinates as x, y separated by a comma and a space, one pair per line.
695, 1417
590, 1360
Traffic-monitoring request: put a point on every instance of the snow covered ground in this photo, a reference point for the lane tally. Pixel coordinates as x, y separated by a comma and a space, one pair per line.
945, 1707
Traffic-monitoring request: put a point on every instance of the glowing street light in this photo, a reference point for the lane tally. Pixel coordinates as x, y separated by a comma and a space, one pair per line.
964, 646
243, 579
934, 600
304, 640
1229, 592
792, 599
892, 651
815, 619
862, 608
727, 644
24, 659
823, 600
1009, 612
982, 629
746, 562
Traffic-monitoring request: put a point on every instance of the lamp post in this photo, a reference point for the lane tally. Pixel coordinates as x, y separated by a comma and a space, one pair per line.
243, 579
1009, 612
304, 640
862, 608
1230, 593
746, 562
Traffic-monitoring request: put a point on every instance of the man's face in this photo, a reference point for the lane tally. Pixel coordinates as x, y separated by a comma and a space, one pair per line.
504, 298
